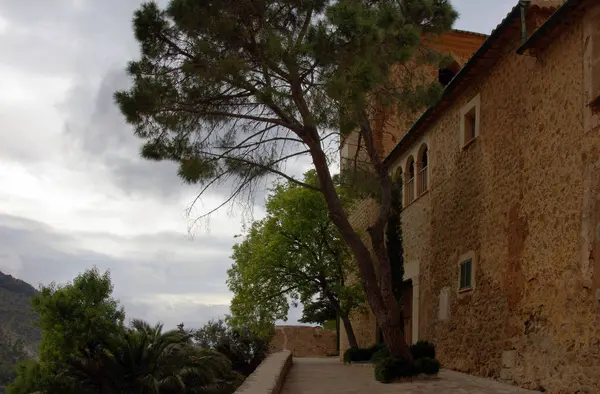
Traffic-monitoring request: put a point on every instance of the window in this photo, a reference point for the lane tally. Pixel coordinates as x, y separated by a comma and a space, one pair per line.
470, 118
422, 181
409, 182
469, 122
466, 275
591, 69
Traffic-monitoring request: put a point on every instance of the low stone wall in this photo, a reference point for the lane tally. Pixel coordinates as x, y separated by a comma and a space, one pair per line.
270, 375
304, 341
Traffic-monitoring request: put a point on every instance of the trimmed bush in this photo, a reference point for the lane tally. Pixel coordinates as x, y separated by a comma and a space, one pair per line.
354, 355
426, 365
422, 349
385, 370
377, 347
380, 354
389, 369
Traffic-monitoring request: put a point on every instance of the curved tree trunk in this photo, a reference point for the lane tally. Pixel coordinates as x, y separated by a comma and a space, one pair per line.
349, 331
341, 313
380, 296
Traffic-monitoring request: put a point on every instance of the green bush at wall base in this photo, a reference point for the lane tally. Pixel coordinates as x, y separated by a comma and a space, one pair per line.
426, 365
422, 349
354, 355
391, 368
380, 354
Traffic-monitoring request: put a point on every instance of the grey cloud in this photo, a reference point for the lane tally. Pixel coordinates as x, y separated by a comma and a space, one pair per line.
65, 36
96, 126
82, 41
38, 254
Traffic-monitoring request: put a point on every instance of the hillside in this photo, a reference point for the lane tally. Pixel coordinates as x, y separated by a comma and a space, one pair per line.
19, 337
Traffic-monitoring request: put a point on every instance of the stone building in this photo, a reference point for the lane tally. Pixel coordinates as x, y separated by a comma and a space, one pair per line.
501, 212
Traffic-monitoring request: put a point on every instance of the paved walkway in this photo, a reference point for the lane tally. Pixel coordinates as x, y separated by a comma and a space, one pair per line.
329, 375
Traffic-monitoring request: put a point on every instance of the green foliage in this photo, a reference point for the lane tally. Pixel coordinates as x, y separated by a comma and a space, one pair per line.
330, 325
380, 354
72, 315
355, 354
394, 242
232, 91
422, 349
385, 370
229, 90
319, 311
295, 253
391, 368
426, 365
244, 349
87, 349
388, 368
150, 360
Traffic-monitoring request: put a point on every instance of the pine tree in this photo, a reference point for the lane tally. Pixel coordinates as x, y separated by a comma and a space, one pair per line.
232, 90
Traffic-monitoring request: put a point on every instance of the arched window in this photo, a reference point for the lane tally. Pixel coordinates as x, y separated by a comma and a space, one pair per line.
422, 177
409, 180
447, 72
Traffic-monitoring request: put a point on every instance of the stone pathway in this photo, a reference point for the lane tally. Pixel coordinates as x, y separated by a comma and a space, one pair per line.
329, 375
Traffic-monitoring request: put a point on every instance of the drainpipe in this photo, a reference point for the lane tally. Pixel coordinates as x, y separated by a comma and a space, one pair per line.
524, 4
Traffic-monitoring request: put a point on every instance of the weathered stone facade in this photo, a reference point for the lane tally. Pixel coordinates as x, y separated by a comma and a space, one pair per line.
304, 341
522, 201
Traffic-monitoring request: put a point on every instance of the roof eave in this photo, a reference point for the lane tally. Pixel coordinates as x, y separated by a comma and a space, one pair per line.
498, 31
561, 13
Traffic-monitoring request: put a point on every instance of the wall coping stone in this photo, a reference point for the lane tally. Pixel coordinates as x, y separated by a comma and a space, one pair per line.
270, 375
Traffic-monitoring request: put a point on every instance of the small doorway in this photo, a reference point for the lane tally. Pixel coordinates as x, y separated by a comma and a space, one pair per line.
407, 301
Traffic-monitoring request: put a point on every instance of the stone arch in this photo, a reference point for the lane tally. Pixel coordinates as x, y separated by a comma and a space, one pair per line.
422, 169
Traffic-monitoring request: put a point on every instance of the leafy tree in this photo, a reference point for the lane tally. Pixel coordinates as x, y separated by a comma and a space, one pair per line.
86, 349
241, 346
294, 253
233, 90
318, 311
147, 360
72, 317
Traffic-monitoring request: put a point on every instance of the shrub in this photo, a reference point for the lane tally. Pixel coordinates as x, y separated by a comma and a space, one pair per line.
380, 354
385, 370
426, 365
355, 354
422, 349
375, 348
389, 369
240, 345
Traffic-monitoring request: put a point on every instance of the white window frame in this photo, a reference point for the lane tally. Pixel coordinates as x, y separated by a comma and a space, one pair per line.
471, 255
472, 106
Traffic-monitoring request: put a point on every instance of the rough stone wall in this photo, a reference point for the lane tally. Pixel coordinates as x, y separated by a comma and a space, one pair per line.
461, 46
516, 198
523, 198
304, 341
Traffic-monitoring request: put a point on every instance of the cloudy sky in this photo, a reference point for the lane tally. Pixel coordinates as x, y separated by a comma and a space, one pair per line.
73, 192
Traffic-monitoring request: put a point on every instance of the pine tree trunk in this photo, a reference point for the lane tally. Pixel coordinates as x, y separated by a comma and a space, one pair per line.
381, 300
349, 331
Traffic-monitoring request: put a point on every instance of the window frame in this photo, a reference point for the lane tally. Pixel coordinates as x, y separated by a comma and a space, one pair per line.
471, 109
466, 275
422, 170
471, 257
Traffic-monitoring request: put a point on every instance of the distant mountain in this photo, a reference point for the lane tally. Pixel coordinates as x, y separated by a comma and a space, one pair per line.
19, 337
